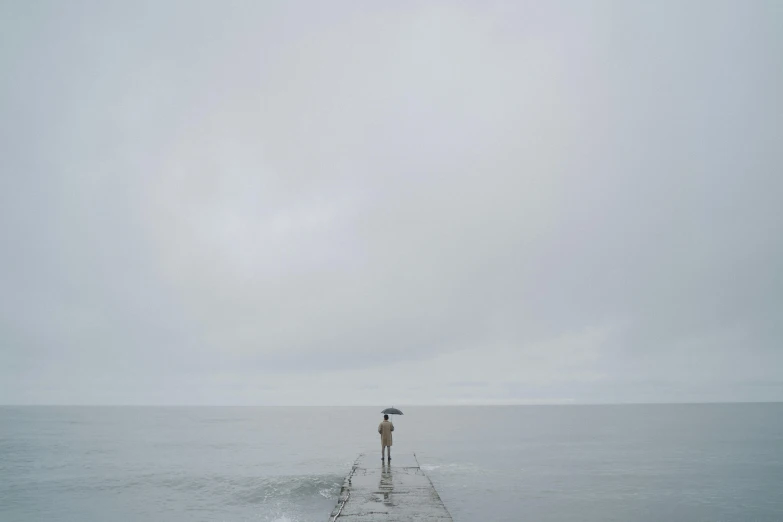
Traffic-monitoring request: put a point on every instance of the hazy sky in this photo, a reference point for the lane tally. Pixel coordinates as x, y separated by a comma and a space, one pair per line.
390, 202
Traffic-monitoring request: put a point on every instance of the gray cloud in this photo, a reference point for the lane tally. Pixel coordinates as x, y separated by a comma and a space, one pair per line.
359, 204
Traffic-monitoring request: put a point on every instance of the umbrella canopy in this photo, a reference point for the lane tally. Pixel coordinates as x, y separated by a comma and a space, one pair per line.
392, 411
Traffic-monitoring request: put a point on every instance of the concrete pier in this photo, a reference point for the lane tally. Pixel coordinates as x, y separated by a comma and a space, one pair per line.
391, 493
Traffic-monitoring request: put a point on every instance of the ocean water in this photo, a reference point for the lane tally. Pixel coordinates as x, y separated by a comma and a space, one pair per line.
721, 462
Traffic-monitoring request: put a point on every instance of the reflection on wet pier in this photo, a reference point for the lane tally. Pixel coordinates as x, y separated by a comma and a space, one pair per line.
394, 492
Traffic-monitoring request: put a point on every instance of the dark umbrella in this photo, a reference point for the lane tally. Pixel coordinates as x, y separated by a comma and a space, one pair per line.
392, 411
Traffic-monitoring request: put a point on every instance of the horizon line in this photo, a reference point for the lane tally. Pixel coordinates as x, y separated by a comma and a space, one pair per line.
422, 405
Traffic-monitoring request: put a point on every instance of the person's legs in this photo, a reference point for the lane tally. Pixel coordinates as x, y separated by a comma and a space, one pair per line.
382, 451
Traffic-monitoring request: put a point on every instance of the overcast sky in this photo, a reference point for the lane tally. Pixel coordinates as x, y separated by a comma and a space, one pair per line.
390, 202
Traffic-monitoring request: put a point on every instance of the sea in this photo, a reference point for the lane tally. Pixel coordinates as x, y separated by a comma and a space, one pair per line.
686, 463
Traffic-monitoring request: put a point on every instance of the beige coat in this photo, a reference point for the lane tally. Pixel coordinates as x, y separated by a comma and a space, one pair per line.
386, 428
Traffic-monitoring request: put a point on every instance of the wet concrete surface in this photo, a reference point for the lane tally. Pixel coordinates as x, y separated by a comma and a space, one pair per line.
395, 492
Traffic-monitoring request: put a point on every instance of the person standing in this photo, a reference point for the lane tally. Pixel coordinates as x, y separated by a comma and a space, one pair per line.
386, 428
